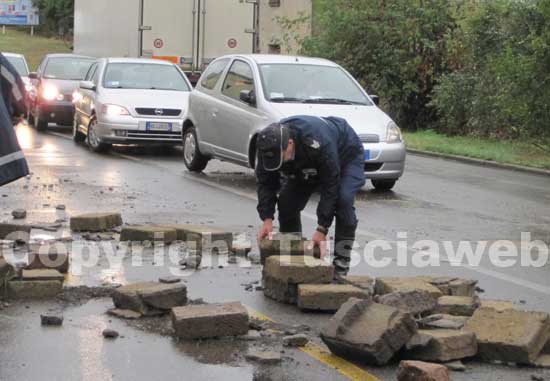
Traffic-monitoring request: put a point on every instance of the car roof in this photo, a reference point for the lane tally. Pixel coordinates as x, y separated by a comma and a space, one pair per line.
67, 55
6, 54
138, 60
282, 59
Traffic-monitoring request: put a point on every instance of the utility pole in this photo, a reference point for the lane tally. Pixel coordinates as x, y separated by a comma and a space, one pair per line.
141, 18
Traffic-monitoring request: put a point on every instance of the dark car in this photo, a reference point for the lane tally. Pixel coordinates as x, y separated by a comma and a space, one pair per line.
54, 88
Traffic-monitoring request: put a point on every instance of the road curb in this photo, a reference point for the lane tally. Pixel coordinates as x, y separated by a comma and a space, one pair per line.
480, 162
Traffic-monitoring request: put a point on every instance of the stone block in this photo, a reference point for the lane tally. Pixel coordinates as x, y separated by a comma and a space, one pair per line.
445, 345
150, 298
327, 297
210, 321
95, 222
282, 244
52, 257
509, 336
415, 301
390, 285
368, 332
283, 274
30, 275
34, 289
203, 237
15, 232
454, 286
363, 282
443, 321
148, 233
499, 305
421, 371
458, 305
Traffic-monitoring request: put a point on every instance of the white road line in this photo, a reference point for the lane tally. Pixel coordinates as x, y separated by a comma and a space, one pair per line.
372, 236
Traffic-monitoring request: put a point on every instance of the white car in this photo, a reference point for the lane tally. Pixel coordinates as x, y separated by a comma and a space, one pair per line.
239, 95
131, 101
20, 64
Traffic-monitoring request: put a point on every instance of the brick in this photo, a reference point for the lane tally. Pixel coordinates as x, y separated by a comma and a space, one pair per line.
327, 297
509, 336
200, 235
34, 289
53, 257
415, 301
421, 371
15, 232
368, 332
150, 298
283, 274
457, 305
42, 275
285, 245
210, 321
148, 233
95, 222
445, 345
390, 285
363, 282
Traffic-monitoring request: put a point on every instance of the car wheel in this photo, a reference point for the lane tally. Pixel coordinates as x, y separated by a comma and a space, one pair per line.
94, 142
384, 185
39, 123
194, 160
78, 136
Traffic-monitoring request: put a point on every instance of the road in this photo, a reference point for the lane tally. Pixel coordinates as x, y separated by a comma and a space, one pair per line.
436, 200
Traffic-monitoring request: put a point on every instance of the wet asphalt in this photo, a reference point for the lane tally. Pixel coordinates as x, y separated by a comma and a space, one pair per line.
436, 200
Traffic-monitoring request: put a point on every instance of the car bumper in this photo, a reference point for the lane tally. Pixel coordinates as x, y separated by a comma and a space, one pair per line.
60, 113
130, 130
387, 161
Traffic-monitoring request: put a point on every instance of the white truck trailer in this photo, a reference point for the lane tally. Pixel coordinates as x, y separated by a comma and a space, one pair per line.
188, 32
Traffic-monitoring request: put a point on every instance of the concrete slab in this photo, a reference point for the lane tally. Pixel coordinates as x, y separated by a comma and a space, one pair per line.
95, 222
327, 297
148, 233
31, 275
444, 346
34, 289
388, 285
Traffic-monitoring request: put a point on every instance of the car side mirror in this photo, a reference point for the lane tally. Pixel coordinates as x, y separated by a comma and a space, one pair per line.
375, 99
87, 85
248, 96
33, 75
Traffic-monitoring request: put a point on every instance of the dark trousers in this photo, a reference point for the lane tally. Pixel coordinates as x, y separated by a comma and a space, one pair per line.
294, 197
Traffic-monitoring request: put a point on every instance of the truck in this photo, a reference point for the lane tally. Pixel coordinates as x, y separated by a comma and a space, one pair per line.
190, 33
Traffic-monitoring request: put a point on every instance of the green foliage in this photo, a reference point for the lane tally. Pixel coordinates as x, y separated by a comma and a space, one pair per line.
56, 17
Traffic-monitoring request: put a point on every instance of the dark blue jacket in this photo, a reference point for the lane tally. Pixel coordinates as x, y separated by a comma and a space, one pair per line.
12, 103
323, 147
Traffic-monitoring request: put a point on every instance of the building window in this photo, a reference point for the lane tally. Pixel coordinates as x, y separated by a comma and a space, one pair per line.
274, 3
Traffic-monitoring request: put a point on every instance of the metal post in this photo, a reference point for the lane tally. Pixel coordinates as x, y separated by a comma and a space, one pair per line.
141, 19
3, 29
193, 55
32, 30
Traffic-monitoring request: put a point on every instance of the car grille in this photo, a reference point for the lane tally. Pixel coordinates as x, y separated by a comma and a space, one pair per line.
155, 135
373, 167
158, 111
369, 138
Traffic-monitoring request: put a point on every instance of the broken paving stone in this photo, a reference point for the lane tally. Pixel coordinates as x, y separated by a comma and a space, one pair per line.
203, 237
48, 257
454, 286
150, 298
421, 371
543, 361
295, 341
368, 332
283, 274
95, 222
241, 249
124, 314
363, 282
170, 280
19, 214
53, 320
286, 245
30, 275
419, 340
34, 289
455, 366
266, 358
110, 334
458, 305
444, 346
15, 232
509, 336
443, 321
148, 233
385, 286
251, 336
327, 297
210, 321
498, 305
415, 301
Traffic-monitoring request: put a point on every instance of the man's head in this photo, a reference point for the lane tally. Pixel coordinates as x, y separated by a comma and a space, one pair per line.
275, 146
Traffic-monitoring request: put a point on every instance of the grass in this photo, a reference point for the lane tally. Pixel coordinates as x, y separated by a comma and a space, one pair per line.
33, 48
509, 152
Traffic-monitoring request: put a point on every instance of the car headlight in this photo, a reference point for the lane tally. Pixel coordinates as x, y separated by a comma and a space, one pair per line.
394, 134
50, 93
114, 110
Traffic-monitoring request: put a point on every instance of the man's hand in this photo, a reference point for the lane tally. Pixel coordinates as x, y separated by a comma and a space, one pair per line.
319, 240
265, 230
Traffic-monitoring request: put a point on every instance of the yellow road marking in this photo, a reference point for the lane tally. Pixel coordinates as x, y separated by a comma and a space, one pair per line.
345, 368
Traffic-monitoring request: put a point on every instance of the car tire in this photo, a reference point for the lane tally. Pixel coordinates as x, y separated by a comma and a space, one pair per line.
78, 136
94, 142
194, 160
39, 123
384, 185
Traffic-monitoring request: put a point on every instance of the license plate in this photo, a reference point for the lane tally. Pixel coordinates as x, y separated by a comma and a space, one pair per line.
155, 126
367, 154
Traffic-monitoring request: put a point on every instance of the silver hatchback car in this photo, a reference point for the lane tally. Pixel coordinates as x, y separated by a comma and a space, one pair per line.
131, 101
239, 95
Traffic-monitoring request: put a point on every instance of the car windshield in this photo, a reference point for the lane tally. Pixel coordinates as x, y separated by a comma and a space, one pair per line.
19, 65
67, 68
298, 83
144, 76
